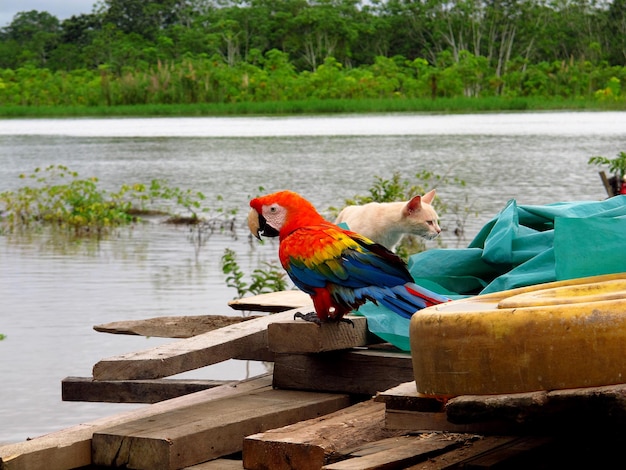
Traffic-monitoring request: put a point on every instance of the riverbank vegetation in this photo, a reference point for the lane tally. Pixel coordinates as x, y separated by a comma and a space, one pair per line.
58, 197
200, 57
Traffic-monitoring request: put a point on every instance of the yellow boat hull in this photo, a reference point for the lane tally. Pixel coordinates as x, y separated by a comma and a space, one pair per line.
560, 335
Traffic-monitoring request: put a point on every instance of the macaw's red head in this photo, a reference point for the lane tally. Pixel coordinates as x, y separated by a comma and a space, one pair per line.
281, 213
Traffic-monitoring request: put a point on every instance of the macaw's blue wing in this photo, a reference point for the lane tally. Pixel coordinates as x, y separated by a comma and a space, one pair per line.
340, 257
353, 269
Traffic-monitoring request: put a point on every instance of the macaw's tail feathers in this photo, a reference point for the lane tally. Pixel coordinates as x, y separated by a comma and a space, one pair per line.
409, 298
431, 298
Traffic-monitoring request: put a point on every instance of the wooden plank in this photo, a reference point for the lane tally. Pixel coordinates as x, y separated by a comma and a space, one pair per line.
420, 421
218, 464
131, 391
205, 431
273, 302
71, 447
300, 337
353, 371
308, 445
517, 407
171, 326
557, 410
515, 454
452, 458
406, 409
399, 452
405, 397
191, 353
607, 184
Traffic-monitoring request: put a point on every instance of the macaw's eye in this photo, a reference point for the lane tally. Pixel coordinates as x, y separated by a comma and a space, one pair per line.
273, 209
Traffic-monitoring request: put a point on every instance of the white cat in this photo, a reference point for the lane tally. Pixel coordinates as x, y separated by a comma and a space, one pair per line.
387, 222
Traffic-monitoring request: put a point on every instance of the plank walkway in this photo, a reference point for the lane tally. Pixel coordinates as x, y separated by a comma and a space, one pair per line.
336, 399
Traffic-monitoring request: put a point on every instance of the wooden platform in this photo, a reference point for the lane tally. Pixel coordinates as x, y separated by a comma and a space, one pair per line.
336, 399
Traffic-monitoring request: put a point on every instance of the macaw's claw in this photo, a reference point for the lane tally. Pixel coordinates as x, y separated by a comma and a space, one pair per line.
311, 316
347, 320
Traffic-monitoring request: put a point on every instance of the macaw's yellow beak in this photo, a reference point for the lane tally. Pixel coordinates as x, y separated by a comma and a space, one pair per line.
258, 225
254, 224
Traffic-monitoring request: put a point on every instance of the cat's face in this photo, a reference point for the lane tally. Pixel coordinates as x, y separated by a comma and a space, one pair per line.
432, 228
420, 217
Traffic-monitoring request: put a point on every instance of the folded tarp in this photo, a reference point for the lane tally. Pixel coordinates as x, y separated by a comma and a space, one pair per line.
522, 245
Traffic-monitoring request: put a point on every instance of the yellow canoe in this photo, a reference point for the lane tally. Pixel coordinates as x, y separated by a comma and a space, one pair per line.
560, 335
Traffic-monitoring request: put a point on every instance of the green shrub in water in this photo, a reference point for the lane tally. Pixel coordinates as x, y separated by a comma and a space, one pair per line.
58, 197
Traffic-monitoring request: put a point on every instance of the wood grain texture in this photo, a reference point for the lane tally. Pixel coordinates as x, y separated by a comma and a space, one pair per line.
71, 447
363, 372
171, 326
191, 353
299, 337
273, 302
195, 434
131, 391
308, 445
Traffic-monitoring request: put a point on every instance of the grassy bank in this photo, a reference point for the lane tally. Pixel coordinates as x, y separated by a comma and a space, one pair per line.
439, 105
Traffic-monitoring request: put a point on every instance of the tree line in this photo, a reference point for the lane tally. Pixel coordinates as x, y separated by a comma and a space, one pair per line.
132, 51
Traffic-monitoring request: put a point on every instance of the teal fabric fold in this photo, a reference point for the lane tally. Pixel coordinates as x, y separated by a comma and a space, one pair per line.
522, 245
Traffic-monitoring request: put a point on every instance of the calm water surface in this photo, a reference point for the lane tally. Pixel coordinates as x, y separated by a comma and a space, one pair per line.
53, 293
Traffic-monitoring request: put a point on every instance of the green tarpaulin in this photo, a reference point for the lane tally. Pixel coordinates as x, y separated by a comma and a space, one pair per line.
521, 246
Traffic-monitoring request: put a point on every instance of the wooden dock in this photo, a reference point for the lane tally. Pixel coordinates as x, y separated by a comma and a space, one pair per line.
336, 399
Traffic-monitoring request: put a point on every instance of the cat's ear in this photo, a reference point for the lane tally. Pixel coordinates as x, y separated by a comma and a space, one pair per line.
413, 205
429, 196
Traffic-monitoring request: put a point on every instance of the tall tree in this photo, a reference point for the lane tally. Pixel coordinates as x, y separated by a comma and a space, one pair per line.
616, 31
36, 33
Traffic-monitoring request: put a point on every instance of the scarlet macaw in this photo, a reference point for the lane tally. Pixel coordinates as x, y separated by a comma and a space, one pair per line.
338, 268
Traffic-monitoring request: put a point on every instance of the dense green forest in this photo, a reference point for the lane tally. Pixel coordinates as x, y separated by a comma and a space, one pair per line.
129, 52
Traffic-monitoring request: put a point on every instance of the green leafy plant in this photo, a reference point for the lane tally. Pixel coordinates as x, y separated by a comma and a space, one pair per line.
617, 165
267, 278
59, 197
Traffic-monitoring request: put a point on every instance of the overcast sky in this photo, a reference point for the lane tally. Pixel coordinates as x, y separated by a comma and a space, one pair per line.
62, 9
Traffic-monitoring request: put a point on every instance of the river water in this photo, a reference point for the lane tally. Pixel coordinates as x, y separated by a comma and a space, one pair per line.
52, 293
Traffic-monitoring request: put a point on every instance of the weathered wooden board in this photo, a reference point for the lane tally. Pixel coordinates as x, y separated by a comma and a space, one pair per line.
300, 337
408, 410
71, 448
543, 411
514, 454
171, 326
405, 397
399, 452
192, 353
422, 421
308, 445
607, 184
131, 391
556, 410
273, 302
205, 431
456, 458
218, 464
355, 371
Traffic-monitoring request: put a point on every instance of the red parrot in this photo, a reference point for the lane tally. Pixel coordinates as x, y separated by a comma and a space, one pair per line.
339, 269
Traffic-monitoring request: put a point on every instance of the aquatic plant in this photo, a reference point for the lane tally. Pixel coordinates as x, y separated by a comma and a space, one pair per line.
617, 165
269, 277
58, 197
